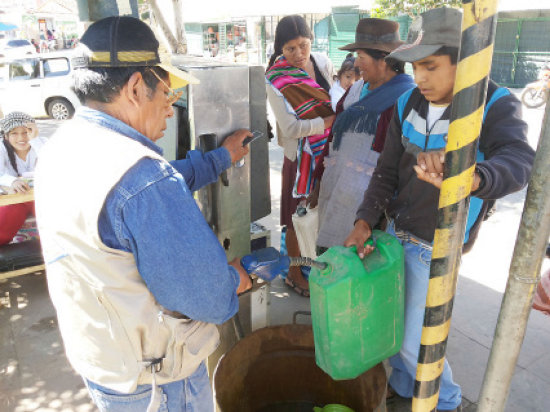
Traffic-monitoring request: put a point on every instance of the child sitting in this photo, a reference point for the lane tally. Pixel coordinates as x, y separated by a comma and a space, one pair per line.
18, 154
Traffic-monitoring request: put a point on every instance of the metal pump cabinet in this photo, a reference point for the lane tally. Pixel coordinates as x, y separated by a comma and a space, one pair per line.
229, 97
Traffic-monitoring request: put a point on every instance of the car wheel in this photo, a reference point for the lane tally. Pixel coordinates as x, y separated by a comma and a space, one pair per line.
60, 109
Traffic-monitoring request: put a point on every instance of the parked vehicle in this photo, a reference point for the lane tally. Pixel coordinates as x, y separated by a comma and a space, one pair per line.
12, 48
536, 93
39, 85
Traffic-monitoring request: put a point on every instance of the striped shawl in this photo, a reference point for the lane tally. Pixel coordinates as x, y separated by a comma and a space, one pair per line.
309, 100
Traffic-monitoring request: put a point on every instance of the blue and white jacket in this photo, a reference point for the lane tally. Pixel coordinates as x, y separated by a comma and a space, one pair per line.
504, 162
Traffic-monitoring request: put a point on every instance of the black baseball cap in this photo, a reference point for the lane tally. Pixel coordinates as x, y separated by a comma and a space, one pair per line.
124, 41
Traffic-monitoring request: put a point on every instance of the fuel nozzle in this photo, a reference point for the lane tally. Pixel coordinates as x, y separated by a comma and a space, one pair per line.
267, 263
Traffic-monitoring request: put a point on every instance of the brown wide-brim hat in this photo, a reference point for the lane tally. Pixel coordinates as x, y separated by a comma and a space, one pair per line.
376, 34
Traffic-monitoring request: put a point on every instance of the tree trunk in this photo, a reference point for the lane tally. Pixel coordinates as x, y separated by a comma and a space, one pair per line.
180, 28
163, 25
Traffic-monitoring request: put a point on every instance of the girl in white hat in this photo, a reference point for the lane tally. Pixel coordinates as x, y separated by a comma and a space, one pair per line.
18, 154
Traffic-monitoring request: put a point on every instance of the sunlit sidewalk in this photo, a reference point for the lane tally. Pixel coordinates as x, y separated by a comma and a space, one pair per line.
35, 375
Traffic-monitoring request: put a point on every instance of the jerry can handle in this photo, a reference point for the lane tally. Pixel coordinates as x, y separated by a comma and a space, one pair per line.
371, 241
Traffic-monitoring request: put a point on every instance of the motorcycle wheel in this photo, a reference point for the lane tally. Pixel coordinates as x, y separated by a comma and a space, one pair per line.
532, 98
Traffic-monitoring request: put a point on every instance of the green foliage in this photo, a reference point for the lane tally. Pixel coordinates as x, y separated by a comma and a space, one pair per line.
143, 11
387, 8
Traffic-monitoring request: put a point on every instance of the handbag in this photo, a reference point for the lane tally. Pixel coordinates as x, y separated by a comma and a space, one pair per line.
306, 226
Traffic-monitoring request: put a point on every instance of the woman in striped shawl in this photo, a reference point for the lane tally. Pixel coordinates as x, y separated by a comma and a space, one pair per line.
298, 82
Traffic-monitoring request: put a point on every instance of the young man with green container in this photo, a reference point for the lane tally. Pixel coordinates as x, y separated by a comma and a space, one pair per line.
405, 185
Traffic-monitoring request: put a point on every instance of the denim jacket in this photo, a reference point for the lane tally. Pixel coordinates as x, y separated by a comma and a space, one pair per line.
151, 213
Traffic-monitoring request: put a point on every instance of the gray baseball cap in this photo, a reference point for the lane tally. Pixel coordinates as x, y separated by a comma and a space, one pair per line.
428, 33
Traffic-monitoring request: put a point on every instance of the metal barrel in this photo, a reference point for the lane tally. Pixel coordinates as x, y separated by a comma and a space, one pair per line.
478, 28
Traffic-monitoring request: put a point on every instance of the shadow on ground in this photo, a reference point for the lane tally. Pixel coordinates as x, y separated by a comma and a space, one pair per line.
34, 372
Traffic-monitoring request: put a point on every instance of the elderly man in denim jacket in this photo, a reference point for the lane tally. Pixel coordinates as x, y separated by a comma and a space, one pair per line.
137, 277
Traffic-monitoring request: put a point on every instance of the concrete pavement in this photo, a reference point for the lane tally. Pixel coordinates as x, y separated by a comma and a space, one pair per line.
35, 376
481, 284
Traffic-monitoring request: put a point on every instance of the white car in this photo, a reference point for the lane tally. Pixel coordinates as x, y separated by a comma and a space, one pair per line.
12, 48
38, 85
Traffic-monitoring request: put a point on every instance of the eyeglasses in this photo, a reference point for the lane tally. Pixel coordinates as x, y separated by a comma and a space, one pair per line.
172, 96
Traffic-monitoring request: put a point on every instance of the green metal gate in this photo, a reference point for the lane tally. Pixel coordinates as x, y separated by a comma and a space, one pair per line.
342, 32
522, 46
336, 31
404, 23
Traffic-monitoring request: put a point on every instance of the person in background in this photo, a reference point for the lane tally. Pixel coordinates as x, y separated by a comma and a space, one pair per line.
18, 155
51, 40
298, 82
74, 41
346, 76
65, 40
359, 131
405, 185
541, 300
36, 45
43, 42
136, 275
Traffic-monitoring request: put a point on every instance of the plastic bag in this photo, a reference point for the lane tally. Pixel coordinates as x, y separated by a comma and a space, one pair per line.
306, 226
541, 300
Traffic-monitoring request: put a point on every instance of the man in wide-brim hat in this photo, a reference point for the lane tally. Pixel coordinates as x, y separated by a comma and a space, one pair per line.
136, 275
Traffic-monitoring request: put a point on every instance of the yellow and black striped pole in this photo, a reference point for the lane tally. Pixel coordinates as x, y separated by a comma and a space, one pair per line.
472, 75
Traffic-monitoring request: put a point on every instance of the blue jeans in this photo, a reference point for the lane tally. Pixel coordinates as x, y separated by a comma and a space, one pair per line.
192, 394
417, 274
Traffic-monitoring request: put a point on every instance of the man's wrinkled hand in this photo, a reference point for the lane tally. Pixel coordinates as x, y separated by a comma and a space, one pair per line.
234, 144
358, 236
245, 281
429, 167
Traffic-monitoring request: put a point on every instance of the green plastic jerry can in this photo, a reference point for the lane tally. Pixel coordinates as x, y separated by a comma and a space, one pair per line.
357, 307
